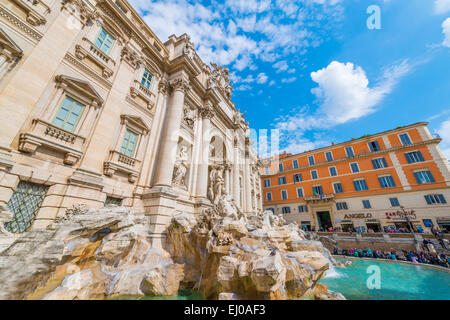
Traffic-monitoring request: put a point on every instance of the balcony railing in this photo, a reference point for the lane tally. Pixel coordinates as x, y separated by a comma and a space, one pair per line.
320, 197
119, 162
138, 89
46, 134
88, 49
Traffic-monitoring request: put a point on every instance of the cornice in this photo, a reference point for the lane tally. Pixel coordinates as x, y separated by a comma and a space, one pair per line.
16, 21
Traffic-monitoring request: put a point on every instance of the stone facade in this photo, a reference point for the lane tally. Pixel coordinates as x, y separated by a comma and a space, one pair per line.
97, 109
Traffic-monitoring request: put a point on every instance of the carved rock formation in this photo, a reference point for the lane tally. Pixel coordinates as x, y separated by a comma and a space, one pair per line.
222, 253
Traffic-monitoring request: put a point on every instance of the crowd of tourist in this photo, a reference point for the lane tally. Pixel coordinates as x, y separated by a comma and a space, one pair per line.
390, 229
428, 256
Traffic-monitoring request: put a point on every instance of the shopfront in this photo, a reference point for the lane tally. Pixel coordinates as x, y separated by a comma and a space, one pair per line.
374, 225
444, 223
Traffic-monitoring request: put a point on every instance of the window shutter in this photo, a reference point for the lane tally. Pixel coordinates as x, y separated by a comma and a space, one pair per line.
441, 198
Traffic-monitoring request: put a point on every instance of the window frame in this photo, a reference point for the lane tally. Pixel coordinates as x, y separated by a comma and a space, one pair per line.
346, 152
357, 166
317, 175
335, 170
282, 192
407, 135
331, 155
108, 33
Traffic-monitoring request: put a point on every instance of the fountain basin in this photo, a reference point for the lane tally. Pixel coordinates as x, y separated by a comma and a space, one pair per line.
398, 281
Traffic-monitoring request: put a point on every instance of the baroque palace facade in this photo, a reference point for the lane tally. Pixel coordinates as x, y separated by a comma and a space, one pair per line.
95, 109
363, 183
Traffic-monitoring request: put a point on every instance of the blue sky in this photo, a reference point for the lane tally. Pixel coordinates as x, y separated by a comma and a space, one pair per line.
314, 70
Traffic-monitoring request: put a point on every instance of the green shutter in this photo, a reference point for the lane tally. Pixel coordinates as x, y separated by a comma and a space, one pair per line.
68, 115
129, 143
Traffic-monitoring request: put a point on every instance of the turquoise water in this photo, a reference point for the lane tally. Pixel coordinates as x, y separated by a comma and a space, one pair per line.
398, 281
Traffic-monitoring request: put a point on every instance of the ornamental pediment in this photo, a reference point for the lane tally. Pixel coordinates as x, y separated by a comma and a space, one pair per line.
80, 85
6, 41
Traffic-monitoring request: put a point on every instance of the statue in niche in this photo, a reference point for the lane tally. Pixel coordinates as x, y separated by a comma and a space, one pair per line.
216, 186
188, 117
180, 168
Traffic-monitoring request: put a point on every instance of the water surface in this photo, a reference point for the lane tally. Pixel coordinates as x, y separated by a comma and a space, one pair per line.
398, 281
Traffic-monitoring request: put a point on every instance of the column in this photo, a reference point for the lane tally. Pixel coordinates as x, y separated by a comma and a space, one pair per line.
170, 133
236, 191
227, 178
150, 164
202, 178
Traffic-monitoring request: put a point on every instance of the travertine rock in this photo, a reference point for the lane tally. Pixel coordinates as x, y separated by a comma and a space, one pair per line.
96, 254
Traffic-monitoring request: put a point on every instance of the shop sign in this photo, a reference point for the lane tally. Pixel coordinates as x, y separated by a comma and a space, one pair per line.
358, 216
396, 215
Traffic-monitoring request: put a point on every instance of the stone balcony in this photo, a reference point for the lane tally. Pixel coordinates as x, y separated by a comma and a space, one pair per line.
140, 93
87, 51
122, 163
47, 135
320, 197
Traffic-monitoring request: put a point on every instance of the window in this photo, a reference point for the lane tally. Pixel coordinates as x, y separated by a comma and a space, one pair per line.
266, 183
69, 114
281, 180
354, 166
333, 171
299, 193
329, 156
271, 209
280, 167
114, 201
404, 138
394, 202
360, 185
349, 151
302, 208
24, 203
269, 196
298, 177
414, 157
341, 206
266, 170
374, 146
338, 187
146, 79
104, 41
435, 199
284, 195
386, 182
286, 210
295, 164
129, 143
311, 160
379, 163
317, 190
424, 177
366, 204
314, 174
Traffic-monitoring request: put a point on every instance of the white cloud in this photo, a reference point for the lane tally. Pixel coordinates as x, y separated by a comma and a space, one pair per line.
446, 32
281, 66
262, 78
444, 132
344, 93
288, 80
441, 6
238, 33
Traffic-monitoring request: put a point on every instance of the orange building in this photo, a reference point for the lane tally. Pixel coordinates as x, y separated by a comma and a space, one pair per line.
363, 183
